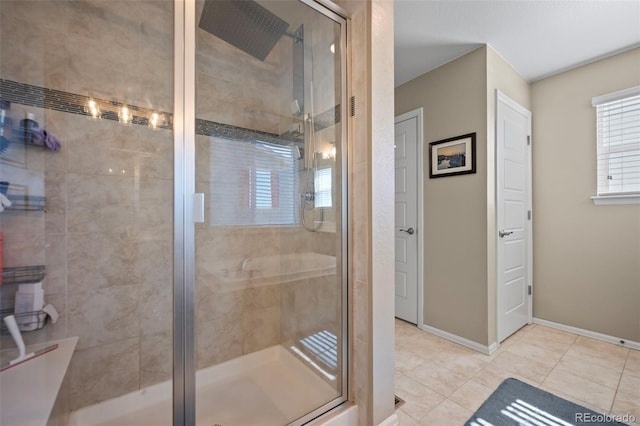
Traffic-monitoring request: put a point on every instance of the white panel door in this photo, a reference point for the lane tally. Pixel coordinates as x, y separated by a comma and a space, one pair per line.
406, 215
513, 220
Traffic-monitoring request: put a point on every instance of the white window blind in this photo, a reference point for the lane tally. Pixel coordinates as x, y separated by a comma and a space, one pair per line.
323, 187
618, 152
252, 183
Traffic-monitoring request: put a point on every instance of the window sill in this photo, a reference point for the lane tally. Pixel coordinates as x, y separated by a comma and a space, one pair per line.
615, 200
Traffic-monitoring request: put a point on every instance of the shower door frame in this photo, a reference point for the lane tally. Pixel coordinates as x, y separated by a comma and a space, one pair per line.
184, 358
184, 370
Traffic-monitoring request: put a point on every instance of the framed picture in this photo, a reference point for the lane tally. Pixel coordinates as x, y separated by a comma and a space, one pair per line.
453, 156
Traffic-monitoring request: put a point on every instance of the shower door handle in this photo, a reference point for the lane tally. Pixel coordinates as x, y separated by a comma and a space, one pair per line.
409, 231
198, 207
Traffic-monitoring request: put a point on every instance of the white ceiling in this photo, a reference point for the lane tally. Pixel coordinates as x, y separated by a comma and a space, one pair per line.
537, 37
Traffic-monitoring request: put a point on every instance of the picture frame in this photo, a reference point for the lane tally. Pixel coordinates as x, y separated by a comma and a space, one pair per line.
453, 156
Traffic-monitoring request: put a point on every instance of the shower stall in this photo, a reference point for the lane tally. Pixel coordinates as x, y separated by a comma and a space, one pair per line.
191, 228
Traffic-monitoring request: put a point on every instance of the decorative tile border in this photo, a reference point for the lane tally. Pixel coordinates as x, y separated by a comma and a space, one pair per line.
211, 128
41, 97
57, 100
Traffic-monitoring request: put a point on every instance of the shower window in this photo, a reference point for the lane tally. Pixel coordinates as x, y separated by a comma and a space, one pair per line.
252, 183
323, 187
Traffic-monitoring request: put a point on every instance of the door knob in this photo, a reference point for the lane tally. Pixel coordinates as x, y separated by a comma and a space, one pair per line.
409, 231
504, 233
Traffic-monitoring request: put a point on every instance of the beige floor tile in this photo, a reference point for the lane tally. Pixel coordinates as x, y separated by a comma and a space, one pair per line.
602, 346
491, 378
602, 352
537, 353
592, 372
527, 329
613, 361
406, 360
419, 342
509, 363
404, 419
552, 344
585, 371
517, 337
466, 362
494, 355
627, 404
419, 399
405, 329
447, 413
630, 383
583, 389
426, 347
405, 340
633, 361
439, 379
544, 333
471, 395
573, 399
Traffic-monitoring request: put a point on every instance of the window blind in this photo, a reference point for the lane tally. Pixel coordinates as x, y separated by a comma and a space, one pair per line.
618, 151
323, 187
252, 183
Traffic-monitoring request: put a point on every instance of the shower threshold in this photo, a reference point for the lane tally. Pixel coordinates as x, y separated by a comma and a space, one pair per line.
270, 387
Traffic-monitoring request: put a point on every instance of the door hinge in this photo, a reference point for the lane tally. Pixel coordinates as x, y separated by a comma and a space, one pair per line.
529, 290
353, 106
529, 214
528, 139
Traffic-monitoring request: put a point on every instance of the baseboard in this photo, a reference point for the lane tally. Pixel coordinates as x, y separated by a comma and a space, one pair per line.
587, 333
487, 350
392, 420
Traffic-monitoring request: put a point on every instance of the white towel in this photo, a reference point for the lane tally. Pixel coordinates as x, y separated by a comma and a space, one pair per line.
52, 312
4, 202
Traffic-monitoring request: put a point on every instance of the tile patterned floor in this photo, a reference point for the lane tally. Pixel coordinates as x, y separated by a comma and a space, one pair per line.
443, 383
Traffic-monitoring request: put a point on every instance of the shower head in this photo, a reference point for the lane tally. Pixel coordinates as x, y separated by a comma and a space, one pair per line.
245, 24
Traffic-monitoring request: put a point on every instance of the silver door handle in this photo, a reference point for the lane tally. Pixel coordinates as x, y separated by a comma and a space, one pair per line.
409, 231
504, 233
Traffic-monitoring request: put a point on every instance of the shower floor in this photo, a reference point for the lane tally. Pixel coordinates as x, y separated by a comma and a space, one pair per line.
267, 388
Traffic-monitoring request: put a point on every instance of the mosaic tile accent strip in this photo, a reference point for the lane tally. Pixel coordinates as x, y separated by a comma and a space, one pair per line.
57, 100
41, 97
211, 128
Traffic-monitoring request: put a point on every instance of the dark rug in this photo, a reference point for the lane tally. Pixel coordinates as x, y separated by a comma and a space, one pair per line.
517, 403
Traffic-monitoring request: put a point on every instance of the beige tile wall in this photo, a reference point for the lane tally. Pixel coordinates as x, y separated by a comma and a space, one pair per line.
106, 237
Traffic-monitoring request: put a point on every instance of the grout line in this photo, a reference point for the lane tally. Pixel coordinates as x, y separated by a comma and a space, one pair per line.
558, 362
615, 395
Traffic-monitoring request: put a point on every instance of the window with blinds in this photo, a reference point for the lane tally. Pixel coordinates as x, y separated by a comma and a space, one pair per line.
618, 151
252, 183
323, 187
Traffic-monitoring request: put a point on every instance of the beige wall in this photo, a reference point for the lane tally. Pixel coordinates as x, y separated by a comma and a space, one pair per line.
500, 76
586, 257
454, 98
458, 98
586, 272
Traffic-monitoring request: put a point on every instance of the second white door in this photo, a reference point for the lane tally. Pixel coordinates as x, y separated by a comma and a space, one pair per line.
406, 217
513, 216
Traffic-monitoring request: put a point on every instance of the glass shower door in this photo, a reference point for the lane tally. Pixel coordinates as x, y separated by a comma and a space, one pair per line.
270, 252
